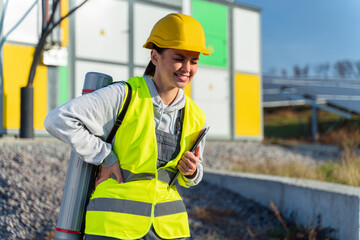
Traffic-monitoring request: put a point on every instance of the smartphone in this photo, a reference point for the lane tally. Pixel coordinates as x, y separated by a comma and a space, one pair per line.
200, 137
198, 140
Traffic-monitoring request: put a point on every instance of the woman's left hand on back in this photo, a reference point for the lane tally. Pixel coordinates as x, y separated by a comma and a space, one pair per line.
106, 172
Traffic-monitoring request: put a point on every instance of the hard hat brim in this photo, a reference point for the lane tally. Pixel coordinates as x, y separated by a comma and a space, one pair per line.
150, 44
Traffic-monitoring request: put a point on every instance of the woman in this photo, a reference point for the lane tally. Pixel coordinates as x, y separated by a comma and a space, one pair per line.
151, 145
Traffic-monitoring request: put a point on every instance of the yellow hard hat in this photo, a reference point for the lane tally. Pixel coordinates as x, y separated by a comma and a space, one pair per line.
178, 31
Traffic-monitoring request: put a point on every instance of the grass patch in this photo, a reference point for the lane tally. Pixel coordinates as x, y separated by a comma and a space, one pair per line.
291, 231
286, 123
347, 171
347, 135
294, 125
270, 167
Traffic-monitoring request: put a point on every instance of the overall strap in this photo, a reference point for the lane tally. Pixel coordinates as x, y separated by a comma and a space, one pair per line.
121, 116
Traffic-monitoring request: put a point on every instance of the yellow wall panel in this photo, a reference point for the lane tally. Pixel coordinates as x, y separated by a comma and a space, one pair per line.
17, 62
64, 8
247, 105
187, 90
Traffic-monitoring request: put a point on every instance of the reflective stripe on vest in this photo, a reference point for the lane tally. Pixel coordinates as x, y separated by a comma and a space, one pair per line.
168, 208
134, 207
163, 175
128, 210
120, 206
129, 176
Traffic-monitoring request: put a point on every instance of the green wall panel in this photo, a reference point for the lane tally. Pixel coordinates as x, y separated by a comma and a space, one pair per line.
213, 17
63, 85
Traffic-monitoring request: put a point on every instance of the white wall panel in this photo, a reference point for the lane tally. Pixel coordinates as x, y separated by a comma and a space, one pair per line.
218, 118
117, 72
139, 71
211, 83
145, 17
246, 32
102, 30
210, 91
27, 31
175, 3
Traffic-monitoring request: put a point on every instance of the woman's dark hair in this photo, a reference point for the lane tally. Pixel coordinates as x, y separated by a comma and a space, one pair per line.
150, 69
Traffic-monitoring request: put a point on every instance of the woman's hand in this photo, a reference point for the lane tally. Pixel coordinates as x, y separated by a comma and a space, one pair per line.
106, 172
188, 163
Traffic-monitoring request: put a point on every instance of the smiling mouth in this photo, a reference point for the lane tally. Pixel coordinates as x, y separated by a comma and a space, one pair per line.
182, 77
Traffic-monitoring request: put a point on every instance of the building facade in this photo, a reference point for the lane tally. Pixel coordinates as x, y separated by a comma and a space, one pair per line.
107, 36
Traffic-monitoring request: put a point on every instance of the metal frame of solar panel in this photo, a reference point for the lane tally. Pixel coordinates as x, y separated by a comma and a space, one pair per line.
340, 96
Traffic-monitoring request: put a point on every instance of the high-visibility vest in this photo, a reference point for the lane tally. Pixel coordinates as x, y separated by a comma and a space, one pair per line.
128, 210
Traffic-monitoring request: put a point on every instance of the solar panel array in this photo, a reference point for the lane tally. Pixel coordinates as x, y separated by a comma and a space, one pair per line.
340, 93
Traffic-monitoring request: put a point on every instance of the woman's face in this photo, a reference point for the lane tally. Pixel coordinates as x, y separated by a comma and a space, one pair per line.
175, 68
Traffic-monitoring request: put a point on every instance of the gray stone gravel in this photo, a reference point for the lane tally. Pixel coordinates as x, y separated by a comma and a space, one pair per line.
33, 172
32, 176
223, 155
215, 213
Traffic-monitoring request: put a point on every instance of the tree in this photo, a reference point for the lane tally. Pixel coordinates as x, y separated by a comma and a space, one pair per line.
344, 68
297, 71
305, 71
326, 68
322, 69
301, 72
357, 67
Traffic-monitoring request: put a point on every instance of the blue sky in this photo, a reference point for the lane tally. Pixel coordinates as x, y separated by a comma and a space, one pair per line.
308, 32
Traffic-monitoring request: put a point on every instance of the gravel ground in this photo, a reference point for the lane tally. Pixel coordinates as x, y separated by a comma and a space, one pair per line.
33, 172
224, 154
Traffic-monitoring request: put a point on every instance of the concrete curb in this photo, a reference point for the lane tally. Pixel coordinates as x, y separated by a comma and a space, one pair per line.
336, 204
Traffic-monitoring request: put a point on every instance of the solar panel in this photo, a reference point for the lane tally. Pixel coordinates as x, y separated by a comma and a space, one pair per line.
340, 93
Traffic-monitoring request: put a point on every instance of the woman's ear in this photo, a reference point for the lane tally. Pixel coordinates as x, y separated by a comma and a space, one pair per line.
154, 57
